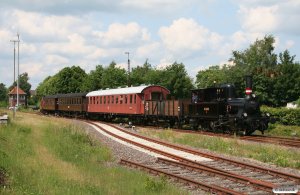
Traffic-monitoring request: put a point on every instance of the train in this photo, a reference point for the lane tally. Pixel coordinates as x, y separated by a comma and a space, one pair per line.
215, 109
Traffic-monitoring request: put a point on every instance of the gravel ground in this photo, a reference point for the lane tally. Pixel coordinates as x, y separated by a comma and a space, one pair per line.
119, 150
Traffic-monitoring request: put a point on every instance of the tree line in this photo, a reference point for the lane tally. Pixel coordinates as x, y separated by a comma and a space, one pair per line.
74, 79
276, 77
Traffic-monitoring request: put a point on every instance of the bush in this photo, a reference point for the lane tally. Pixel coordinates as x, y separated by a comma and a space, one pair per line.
285, 116
3, 104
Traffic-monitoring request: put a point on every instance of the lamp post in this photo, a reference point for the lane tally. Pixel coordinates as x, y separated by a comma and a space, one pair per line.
128, 76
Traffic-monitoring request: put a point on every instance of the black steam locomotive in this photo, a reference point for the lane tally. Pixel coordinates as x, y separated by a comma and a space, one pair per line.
218, 109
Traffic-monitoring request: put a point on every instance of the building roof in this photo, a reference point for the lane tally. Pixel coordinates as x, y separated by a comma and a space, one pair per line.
14, 91
119, 91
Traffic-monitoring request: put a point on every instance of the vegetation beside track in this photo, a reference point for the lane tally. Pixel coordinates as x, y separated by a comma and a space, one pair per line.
283, 130
268, 153
47, 155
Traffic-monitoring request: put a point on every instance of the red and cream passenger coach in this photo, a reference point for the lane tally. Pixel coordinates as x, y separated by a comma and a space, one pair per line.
129, 100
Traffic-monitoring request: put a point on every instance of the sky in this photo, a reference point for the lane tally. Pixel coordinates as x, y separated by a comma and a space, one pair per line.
60, 33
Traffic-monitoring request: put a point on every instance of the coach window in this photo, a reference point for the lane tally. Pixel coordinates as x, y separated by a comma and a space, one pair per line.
117, 99
135, 98
130, 99
125, 99
121, 99
104, 100
112, 99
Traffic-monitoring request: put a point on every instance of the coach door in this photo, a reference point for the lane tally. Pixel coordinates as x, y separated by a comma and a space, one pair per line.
159, 105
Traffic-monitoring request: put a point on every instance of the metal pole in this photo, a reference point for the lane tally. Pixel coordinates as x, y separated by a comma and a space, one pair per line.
14, 106
14, 58
18, 71
128, 76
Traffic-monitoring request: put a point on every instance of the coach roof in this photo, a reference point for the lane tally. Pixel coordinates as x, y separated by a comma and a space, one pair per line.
121, 91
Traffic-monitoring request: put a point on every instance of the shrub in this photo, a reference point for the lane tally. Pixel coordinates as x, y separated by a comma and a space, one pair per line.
284, 116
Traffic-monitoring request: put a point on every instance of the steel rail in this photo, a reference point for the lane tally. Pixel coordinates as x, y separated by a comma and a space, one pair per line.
207, 187
216, 157
255, 182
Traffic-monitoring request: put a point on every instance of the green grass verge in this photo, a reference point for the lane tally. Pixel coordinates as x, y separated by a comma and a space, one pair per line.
280, 156
283, 130
43, 155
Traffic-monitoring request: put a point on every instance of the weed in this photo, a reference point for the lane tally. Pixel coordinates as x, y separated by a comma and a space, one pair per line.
156, 185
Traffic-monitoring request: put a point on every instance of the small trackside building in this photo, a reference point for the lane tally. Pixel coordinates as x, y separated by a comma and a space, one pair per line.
124, 101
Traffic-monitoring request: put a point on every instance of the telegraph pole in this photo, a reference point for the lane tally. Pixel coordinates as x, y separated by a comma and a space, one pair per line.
16, 41
128, 76
18, 70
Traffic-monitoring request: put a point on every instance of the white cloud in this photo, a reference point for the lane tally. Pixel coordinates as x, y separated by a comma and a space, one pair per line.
123, 35
186, 36
270, 16
40, 27
150, 50
259, 19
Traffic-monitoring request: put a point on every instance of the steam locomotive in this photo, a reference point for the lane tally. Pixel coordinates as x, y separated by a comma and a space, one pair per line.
218, 109
212, 109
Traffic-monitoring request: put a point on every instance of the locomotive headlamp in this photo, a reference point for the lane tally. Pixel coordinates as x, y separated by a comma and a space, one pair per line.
253, 95
268, 114
245, 114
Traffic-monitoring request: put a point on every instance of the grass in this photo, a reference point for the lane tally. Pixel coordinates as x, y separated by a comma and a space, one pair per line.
283, 130
274, 154
44, 155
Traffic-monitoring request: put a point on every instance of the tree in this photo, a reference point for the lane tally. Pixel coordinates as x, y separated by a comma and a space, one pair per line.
69, 80
3, 92
259, 56
287, 81
140, 74
176, 79
23, 84
47, 87
113, 77
93, 80
213, 75
259, 60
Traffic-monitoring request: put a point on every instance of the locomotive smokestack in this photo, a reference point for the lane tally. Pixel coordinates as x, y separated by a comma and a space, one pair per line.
248, 79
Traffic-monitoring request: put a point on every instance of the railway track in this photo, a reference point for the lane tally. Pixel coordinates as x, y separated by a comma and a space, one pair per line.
226, 175
283, 141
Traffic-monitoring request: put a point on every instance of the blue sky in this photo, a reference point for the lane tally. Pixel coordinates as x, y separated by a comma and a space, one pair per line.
59, 33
